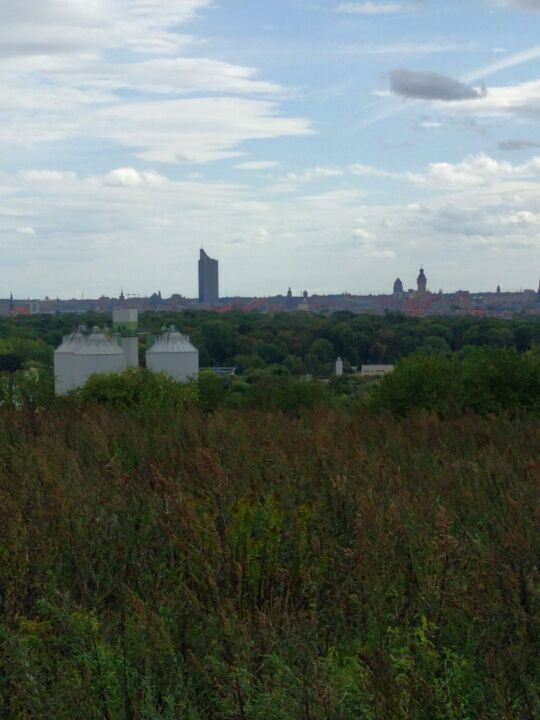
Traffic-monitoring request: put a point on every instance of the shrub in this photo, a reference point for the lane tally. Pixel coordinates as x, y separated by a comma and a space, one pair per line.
139, 390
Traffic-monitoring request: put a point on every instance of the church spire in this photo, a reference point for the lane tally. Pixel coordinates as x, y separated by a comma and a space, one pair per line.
422, 282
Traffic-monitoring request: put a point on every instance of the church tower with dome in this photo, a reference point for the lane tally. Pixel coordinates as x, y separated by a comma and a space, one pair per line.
421, 282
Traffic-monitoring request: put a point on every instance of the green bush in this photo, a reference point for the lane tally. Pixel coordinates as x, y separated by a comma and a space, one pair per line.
483, 380
139, 390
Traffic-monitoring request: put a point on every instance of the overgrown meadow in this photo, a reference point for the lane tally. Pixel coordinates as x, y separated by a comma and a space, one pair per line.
271, 546
326, 561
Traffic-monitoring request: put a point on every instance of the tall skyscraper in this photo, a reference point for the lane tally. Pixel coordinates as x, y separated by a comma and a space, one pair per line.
208, 279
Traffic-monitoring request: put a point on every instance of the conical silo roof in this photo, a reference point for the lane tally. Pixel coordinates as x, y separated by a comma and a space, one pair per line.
172, 341
71, 343
98, 344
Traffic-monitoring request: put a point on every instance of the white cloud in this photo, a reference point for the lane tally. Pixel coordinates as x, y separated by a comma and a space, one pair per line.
59, 27
130, 178
258, 165
475, 171
521, 100
509, 61
369, 171
65, 67
45, 177
362, 234
530, 5
26, 230
292, 182
315, 173
407, 48
369, 8
118, 233
194, 130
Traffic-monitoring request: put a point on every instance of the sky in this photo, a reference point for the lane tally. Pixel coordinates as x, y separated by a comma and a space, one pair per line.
324, 145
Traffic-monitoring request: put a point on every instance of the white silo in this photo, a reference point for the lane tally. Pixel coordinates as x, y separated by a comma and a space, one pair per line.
174, 354
97, 354
64, 362
339, 367
130, 347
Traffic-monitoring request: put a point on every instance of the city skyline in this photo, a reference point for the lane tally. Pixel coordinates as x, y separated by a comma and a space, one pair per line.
330, 146
208, 289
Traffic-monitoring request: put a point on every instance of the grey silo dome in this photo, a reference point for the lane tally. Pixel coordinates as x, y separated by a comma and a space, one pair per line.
174, 354
80, 356
98, 344
64, 362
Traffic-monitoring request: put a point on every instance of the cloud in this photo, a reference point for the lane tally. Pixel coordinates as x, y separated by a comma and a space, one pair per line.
115, 73
509, 61
194, 130
424, 85
129, 177
530, 5
512, 145
185, 75
362, 234
520, 101
46, 177
407, 48
60, 27
258, 165
429, 124
97, 236
26, 230
292, 182
369, 8
369, 171
474, 172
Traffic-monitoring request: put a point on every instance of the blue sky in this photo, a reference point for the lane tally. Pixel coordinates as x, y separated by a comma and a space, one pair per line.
330, 146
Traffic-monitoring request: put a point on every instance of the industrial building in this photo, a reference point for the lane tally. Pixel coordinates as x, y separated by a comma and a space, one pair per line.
83, 354
174, 354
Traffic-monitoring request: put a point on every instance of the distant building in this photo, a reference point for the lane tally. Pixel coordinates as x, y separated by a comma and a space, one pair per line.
81, 355
208, 280
304, 305
421, 282
290, 302
376, 371
398, 288
174, 354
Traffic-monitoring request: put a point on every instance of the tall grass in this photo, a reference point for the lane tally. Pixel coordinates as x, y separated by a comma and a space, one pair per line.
255, 565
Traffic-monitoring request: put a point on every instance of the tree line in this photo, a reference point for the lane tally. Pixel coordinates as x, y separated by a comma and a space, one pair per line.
302, 343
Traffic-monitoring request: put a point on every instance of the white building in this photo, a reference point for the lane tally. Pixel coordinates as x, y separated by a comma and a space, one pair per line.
81, 356
64, 363
174, 354
376, 371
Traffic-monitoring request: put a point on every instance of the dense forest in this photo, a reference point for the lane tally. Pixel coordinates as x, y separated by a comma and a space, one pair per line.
299, 342
272, 546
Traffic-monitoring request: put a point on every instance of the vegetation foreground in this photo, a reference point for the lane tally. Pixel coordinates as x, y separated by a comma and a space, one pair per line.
256, 565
